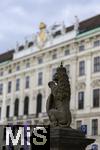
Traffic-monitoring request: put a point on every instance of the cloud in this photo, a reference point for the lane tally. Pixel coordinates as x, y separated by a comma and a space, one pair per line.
20, 18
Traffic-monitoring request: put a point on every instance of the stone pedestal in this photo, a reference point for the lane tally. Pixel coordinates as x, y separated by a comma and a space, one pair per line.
68, 139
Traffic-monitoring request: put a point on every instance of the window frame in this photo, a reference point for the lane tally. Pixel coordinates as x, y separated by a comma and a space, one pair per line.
67, 66
17, 84
40, 60
1, 88
96, 43
97, 104
26, 106
94, 128
54, 56
16, 107
82, 68
96, 64
81, 48
66, 52
18, 68
27, 82
81, 100
7, 111
40, 78
9, 86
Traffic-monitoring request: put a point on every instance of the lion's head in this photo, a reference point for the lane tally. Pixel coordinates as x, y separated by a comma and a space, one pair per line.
61, 74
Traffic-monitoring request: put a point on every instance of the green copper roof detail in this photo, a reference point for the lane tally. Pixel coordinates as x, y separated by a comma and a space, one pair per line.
88, 32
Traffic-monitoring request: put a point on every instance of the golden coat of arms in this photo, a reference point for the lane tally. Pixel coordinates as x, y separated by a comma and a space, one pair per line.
42, 35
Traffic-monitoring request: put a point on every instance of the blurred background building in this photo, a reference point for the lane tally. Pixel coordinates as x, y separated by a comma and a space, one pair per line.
26, 70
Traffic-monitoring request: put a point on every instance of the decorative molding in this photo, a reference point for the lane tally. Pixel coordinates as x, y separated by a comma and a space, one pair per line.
95, 83
87, 115
80, 85
40, 91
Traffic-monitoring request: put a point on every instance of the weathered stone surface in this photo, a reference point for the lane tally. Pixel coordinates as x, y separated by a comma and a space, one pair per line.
58, 102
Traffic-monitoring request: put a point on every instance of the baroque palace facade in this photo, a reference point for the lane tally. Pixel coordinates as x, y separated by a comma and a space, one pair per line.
26, 70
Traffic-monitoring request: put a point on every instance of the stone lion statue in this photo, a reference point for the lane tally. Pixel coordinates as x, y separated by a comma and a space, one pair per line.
58, 102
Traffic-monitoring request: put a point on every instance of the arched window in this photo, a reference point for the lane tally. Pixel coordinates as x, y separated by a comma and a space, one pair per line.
26, 104
39, 104
16, 107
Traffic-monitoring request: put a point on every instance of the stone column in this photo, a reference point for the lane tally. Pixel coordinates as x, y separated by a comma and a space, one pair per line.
73, 70
3, 109
46, 89
73, 82
32, 94
22, 94
88, 84
12, 97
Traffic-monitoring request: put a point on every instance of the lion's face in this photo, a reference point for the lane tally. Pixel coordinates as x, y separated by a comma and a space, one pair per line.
55, 77
59, 76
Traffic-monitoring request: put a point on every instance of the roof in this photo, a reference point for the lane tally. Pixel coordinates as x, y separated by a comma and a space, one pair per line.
89, 24
85, 25
6, 56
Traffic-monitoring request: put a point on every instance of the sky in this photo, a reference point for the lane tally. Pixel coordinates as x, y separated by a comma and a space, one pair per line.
19, 19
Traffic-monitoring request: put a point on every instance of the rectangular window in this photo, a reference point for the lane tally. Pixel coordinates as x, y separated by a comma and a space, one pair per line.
1, 88
96, 43
10, 71
9, 86
27, 65
67, 52
68, 69
40, 78
40, 60
82, 68
0, 113
95, 127
54, 56
27, 82
96, 97
53, 72
17, 68
78, 124
97, 64
81, 100
4, 134
17, 84
81, 48
1, 73
7, 111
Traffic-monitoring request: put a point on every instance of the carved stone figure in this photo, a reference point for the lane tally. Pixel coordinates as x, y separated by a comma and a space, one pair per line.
58, 102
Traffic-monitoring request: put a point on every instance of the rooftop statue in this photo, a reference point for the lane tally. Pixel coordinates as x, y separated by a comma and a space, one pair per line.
58, 102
